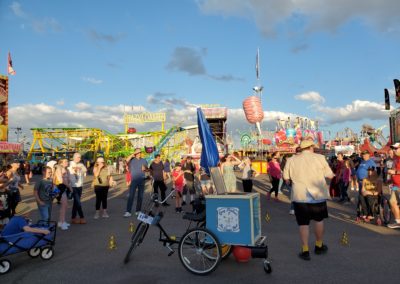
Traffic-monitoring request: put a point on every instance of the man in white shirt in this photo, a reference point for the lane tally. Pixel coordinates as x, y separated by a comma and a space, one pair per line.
308, 172
77, 172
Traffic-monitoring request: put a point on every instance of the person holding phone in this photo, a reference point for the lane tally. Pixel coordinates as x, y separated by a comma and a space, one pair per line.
102, 181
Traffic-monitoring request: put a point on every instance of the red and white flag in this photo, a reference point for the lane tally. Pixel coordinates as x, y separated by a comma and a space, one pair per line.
10, 68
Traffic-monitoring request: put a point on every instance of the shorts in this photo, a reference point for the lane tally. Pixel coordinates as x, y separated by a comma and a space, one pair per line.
206, 183
305, 212
395, 196
189, 186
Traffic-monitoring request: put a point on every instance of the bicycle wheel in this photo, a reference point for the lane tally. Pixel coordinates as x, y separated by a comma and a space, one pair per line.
199, 251
137, 239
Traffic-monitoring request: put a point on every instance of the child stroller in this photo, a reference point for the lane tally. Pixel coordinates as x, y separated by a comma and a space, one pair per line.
33, 243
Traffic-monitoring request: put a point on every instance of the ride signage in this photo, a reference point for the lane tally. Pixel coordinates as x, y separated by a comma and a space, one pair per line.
6, 147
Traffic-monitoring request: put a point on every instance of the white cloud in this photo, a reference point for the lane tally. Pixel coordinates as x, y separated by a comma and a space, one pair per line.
92, 80
356, 111
315, 15
17, 10
39, 25
311, 97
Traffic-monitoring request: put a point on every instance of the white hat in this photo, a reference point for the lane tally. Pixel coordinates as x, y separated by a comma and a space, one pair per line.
396, 145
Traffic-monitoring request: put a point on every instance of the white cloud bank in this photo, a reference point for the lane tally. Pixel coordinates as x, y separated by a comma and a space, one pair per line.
110, 118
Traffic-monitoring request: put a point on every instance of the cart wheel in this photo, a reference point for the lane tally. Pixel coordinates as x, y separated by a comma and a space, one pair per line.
34, 252
199, 251
5, 266
226, 251
47, 253
267, 266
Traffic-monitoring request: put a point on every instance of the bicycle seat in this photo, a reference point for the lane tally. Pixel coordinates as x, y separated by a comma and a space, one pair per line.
194, 216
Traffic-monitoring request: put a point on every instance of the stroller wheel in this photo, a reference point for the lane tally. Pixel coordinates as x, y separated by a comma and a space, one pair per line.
34, 252
5, 266
47, 253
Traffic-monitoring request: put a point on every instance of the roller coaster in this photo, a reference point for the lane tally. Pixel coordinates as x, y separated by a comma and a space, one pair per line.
60, 141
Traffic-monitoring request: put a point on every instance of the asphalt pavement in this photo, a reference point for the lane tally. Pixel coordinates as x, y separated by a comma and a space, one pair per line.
82, 254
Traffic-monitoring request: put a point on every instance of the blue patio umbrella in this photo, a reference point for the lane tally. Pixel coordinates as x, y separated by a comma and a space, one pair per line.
209, 152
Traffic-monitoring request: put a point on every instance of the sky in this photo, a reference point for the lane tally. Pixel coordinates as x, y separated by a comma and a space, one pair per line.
85, 63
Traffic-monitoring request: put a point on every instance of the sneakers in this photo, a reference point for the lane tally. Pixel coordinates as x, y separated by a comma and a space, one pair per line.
291, 212
127, 214
165, 204
105, 215
394, 225
64, 226
83, 221
305, 255
183, 203
96, 215
321, 250
178, 209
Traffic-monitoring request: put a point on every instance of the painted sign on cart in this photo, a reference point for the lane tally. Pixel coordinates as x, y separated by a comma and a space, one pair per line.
228, 219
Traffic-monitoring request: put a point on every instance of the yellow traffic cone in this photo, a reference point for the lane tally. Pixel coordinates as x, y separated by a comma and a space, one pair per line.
112, 243
345, 239
131, 227
267, 217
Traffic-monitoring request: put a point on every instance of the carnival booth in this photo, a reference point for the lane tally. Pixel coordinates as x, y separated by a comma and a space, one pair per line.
8, 151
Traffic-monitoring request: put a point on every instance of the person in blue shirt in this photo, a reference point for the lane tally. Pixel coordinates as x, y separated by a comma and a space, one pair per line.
137, 168
19, 224
362, 173
362, 170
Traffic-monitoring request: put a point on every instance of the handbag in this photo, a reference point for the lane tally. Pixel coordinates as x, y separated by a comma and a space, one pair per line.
70, 194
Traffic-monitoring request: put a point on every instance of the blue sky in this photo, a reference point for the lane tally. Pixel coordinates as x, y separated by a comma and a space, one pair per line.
79, 62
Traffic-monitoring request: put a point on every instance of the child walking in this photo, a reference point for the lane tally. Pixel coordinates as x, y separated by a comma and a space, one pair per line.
178, 180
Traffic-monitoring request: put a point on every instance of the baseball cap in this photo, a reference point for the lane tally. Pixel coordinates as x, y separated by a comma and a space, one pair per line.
365, 152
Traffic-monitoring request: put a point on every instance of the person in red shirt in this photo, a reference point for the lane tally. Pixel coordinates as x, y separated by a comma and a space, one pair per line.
275, 173
179, 182
395, 195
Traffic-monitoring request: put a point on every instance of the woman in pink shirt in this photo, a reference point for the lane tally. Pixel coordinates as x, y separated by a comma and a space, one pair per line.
346, 177
275, 174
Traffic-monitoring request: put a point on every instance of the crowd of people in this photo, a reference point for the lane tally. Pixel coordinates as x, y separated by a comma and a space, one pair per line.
304, 174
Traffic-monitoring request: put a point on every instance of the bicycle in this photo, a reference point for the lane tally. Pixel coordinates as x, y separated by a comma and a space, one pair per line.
199, 249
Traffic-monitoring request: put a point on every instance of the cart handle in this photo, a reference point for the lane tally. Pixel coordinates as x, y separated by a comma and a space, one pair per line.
155, 197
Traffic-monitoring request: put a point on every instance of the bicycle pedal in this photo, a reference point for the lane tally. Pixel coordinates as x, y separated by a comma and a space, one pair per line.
171, 253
